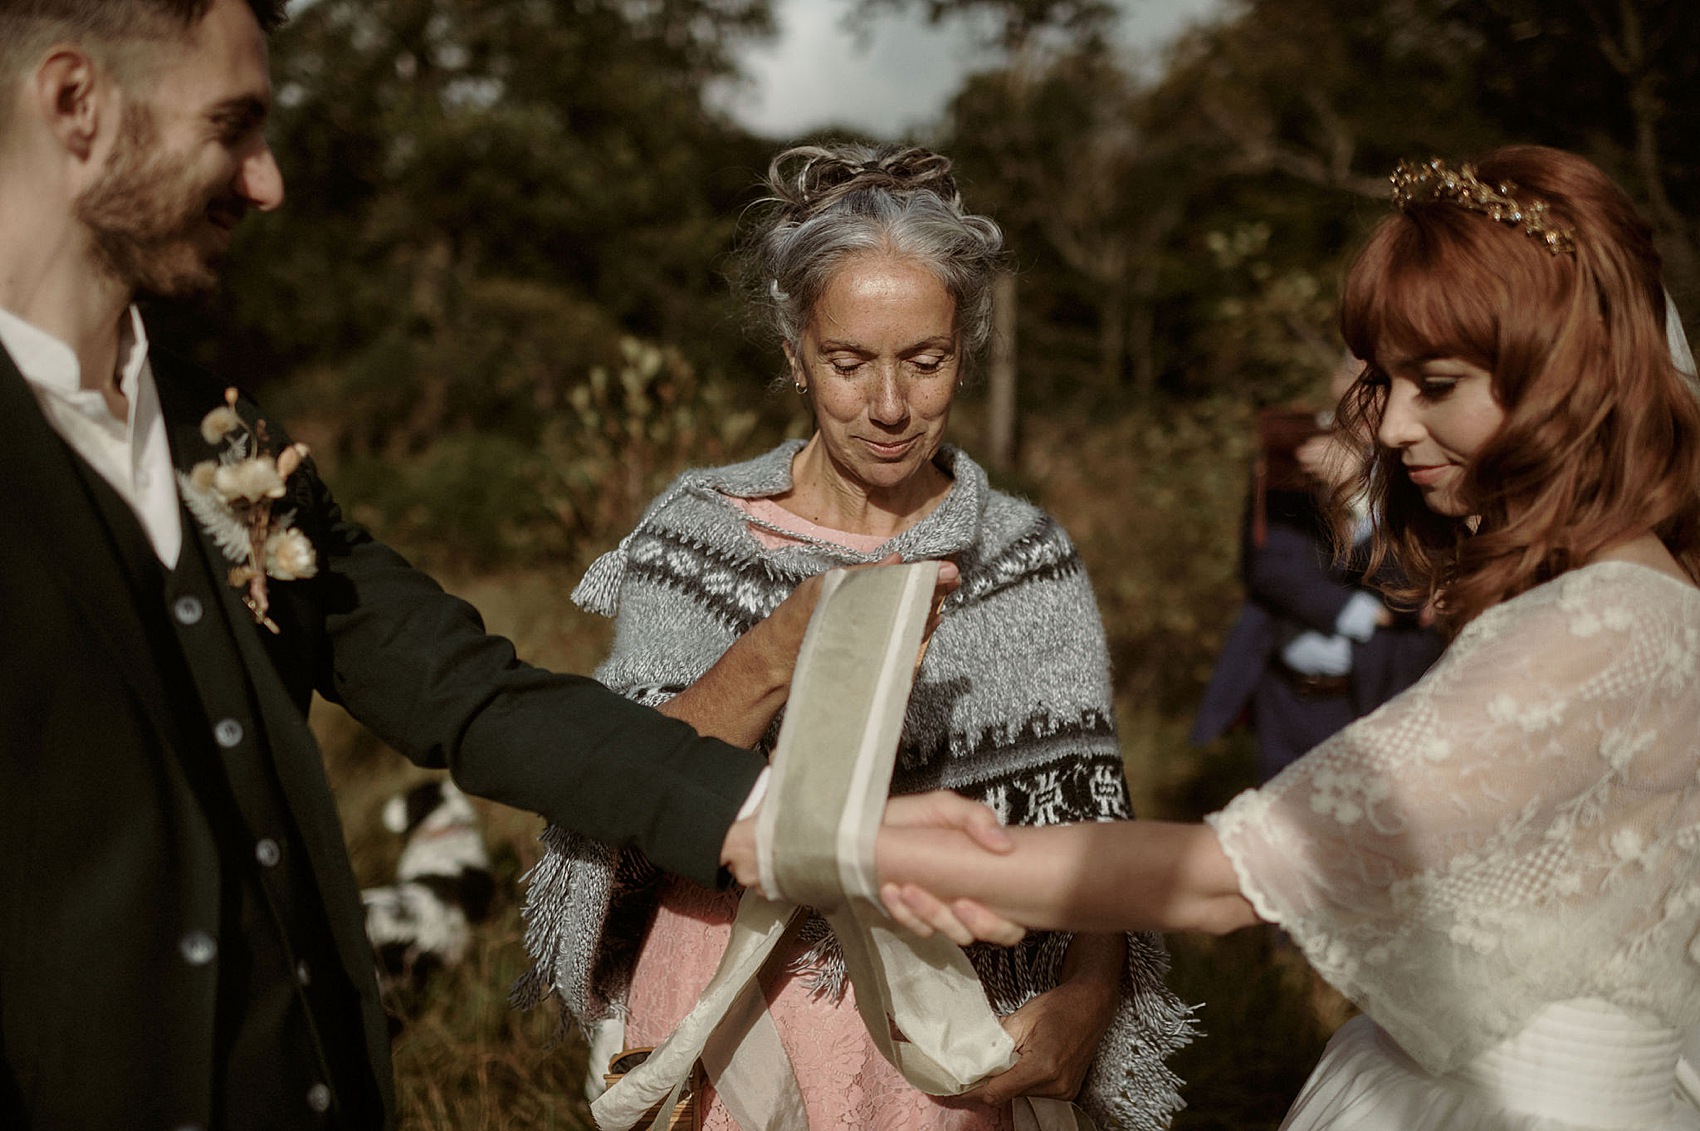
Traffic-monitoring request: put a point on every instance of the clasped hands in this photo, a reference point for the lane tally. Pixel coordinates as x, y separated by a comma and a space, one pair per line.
1057, 1031
773, 646
976, 828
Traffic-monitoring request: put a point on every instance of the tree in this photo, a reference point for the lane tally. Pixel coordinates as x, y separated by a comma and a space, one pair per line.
1059, 154
486, 198
1613, 79
1019, 23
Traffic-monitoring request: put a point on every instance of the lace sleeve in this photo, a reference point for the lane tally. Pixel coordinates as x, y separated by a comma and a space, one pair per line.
1521, 827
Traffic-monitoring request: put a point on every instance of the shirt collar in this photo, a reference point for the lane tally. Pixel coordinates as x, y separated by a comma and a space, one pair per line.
46, 361
132, 352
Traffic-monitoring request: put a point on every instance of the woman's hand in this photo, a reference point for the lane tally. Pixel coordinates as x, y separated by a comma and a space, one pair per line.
737, 698
1057, 1033
962, 921
942, 809
950, 577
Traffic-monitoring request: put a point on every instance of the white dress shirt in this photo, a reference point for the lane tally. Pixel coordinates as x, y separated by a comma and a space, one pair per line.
132, 455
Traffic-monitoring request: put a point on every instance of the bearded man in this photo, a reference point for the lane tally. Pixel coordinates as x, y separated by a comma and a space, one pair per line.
180, 934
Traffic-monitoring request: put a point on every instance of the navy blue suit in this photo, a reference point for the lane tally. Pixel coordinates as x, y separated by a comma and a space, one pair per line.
1293, 586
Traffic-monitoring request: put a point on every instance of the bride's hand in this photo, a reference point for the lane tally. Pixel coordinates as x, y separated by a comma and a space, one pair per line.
962, 921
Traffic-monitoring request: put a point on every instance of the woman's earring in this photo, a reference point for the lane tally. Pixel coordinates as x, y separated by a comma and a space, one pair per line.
802, 389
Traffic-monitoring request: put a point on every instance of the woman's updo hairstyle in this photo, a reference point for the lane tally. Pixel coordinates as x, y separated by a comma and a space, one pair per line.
827, 203
1601, 438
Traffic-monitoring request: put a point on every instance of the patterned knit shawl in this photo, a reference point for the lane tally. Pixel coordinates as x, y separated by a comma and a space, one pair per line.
1011, 706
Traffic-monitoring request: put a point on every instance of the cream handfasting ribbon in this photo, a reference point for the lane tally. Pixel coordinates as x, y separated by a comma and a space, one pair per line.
815, 834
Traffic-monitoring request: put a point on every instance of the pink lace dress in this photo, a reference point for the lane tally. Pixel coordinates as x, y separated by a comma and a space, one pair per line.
844, 1080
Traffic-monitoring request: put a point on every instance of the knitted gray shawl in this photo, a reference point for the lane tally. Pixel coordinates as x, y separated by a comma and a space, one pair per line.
1011, 707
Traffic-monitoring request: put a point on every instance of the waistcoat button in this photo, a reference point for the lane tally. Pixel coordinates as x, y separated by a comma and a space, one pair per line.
228, 732
187, 610
198, 948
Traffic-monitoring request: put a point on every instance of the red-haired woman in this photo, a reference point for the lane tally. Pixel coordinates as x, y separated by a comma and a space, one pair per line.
1501, 867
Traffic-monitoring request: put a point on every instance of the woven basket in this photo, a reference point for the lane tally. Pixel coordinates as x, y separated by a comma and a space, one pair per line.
686, 1116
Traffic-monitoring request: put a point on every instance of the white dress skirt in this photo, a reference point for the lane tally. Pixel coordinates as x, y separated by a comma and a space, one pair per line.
1579, 1064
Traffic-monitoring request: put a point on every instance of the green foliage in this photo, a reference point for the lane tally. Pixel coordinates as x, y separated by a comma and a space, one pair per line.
1018, 22
436, 149
1266, 1018
540, 467
467, 1060
1279, 124
1153, 500
631, 431
1271, 320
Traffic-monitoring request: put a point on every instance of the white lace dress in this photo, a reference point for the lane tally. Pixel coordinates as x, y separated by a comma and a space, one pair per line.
1501, 867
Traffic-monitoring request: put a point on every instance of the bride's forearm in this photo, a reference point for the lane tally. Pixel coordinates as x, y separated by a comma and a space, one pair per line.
1121, 875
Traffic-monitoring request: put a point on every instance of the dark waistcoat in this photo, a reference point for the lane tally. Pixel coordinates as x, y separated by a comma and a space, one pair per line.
166, 957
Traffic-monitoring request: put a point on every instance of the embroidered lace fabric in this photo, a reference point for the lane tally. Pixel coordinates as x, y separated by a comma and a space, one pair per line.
1520, 828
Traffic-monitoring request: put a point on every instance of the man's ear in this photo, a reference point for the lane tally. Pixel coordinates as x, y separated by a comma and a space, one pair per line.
71, 93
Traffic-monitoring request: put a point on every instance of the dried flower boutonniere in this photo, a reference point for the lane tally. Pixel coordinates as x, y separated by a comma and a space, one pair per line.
232, 498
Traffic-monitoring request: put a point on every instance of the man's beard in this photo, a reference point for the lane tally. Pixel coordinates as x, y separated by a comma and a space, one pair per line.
144, 214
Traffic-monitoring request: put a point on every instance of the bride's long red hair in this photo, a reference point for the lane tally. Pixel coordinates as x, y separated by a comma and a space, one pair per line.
1601, 438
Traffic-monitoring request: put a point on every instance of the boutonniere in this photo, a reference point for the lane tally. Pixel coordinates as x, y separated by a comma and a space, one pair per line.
232, 498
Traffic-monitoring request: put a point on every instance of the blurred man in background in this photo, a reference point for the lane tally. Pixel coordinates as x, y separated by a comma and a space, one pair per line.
1315, 646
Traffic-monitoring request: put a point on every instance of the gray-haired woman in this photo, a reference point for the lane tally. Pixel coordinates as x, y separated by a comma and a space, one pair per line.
877, 284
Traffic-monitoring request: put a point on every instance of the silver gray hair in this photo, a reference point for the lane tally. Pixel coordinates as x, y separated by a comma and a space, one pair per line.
831, 202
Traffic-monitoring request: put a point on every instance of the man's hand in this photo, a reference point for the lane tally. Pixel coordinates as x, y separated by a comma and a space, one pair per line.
939, 809
738, 851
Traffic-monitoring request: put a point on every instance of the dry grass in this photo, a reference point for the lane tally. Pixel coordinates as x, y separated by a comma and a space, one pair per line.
464, 1059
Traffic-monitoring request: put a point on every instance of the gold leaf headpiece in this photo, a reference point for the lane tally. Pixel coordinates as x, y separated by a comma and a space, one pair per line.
1431, 182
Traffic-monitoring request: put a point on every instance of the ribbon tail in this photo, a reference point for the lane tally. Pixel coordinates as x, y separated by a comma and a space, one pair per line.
751, 1071
755, 933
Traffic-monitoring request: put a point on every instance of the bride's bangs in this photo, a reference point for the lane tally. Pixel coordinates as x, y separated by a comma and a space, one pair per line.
1426, 286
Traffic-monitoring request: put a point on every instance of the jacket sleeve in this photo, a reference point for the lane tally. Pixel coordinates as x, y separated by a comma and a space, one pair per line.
417, 666
1291, 576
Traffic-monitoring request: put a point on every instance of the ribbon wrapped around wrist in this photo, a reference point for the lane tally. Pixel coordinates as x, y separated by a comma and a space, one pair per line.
920, 999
